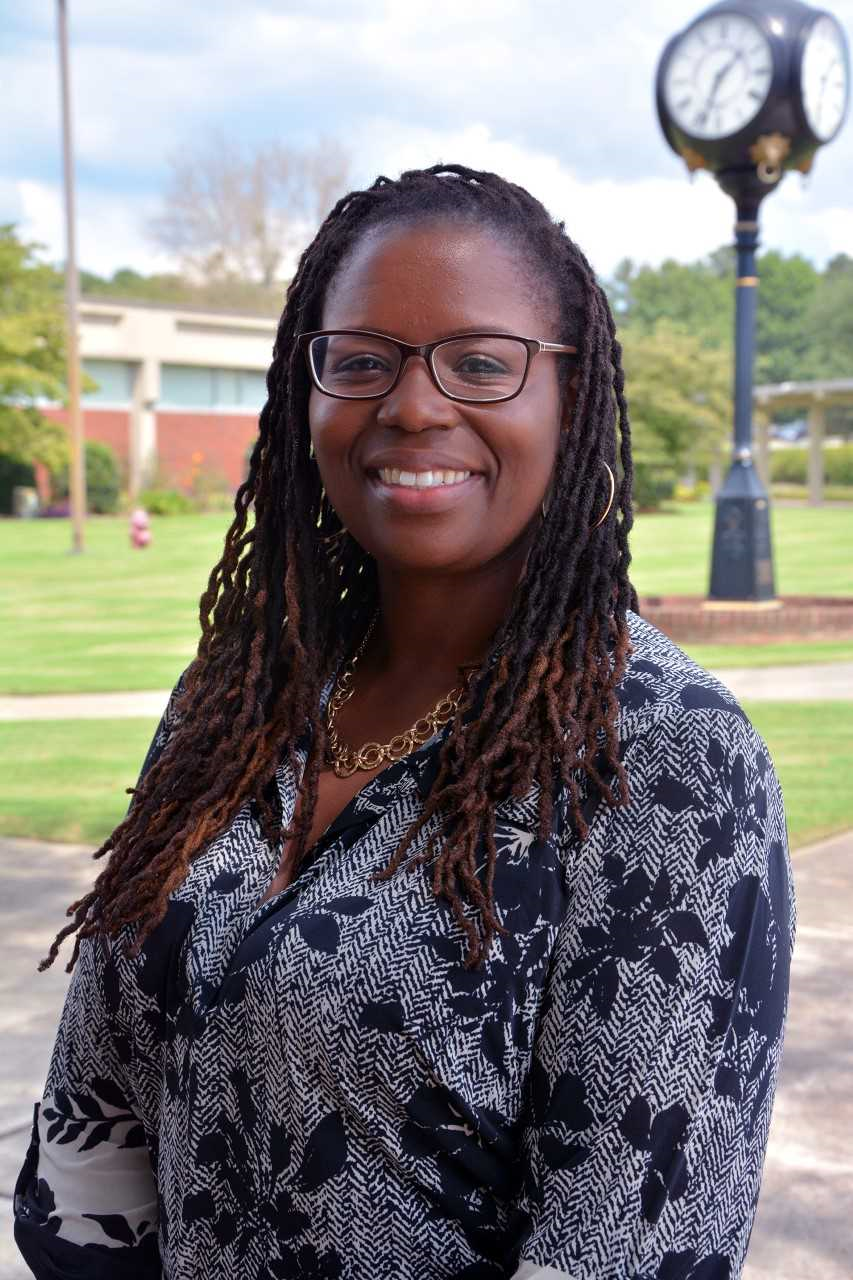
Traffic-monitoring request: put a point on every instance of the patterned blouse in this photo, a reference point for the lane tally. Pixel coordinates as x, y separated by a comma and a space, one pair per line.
316, 1087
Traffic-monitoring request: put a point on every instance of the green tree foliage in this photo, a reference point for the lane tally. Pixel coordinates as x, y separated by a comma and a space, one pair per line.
694, 297
680, 401
32, 352
103, 479
174, 290
804, 326
829, 322
783, 339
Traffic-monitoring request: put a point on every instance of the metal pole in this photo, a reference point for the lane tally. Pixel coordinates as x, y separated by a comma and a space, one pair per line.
746, 295
77, 487
742, 561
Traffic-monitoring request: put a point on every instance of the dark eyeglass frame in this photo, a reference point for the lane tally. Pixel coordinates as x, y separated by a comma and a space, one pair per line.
427, 351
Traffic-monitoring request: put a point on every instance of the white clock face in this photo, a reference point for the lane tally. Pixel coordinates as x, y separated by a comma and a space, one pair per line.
824, 78
718, 76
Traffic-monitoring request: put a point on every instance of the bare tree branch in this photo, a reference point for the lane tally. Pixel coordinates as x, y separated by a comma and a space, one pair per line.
231, 212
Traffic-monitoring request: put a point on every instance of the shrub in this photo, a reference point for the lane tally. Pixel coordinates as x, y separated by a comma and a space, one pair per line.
791, 466
653, 484
103, 479
838, 464
165, 502
13, 472
788, 466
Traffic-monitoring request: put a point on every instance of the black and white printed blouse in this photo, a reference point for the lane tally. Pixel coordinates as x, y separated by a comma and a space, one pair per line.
317, 1087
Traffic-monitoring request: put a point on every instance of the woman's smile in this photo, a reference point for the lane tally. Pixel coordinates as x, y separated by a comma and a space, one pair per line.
422, 492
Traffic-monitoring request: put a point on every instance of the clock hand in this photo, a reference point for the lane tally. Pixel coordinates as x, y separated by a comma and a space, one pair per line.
718, 79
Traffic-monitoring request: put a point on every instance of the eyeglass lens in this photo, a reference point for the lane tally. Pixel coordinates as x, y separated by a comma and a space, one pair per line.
475, 368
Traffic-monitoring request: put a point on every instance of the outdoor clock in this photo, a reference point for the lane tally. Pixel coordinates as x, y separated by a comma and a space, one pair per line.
749, 89
718, 75
754, 85
824, 77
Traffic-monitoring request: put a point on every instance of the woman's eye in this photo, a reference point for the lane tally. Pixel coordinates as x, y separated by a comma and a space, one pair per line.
362, 364
481, 365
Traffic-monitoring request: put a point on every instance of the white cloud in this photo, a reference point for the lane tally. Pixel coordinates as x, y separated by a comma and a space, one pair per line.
109, 231
557, 96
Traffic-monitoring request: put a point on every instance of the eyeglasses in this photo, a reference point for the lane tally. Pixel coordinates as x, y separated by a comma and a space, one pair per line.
479, 368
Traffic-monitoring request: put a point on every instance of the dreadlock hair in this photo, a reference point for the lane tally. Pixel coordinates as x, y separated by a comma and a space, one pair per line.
279, 614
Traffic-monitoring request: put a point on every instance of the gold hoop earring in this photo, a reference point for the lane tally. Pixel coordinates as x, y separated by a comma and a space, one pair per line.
606, 510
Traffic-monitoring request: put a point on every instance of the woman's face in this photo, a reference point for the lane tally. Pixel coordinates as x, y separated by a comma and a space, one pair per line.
419, 284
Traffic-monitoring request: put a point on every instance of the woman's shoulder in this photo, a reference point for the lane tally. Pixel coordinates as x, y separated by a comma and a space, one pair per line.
679, 722
705, 818
662, 681
678, 708
701, 778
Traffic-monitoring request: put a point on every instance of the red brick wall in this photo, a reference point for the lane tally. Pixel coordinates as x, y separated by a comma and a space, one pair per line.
107, 426
221, 440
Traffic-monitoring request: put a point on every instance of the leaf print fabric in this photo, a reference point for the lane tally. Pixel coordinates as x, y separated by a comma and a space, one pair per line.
317, 1087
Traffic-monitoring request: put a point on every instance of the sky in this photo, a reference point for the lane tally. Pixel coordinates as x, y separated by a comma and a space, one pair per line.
554, 94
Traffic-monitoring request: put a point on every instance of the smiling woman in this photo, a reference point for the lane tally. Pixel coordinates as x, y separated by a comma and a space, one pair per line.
448, 931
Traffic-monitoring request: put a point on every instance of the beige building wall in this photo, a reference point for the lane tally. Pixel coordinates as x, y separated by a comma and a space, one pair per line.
147, 336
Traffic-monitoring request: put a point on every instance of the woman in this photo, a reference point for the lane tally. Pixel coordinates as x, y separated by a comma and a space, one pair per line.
448, 931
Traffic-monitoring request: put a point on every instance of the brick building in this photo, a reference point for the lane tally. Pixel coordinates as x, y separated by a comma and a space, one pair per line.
178, 387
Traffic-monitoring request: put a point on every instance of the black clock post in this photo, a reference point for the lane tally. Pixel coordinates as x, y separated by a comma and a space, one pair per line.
750, 89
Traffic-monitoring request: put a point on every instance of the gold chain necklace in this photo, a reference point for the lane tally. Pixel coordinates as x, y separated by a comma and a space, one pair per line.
345, 761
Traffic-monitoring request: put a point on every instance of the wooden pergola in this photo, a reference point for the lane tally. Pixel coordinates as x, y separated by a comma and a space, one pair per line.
815, 398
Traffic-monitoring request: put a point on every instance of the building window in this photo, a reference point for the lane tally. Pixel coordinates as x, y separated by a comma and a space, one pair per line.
192, 386
114, 379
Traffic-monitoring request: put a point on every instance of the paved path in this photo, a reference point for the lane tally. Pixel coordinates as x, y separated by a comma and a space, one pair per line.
829, 682
802, 1229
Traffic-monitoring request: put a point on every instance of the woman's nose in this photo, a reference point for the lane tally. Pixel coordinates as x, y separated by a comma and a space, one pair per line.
416, 402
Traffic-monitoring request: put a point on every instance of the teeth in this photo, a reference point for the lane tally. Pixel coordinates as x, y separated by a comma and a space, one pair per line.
421, 479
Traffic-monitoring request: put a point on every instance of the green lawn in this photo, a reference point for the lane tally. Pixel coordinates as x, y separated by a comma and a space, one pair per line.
66, 779
813, 549
794, 654
811, 744
116, 618
112, 618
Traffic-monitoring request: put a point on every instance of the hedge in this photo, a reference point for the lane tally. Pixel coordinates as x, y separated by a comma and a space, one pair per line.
103, 479
791, 466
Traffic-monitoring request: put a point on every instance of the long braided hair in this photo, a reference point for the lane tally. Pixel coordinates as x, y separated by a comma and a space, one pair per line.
279, 614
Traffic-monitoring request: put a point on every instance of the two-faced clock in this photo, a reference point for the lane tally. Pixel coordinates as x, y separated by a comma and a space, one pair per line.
754, 84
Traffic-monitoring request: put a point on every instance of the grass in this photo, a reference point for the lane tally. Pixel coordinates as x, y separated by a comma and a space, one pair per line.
116, 618
112, 618
811, 744
716, 657
812, 550
65, 779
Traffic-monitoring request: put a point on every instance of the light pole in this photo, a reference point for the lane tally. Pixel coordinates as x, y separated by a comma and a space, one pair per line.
77, 477
749, 89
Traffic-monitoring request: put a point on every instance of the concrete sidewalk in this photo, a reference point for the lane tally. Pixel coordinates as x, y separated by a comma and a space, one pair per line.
828, 682
802, 1229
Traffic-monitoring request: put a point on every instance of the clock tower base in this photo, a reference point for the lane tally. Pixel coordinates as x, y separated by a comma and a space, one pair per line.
742, 560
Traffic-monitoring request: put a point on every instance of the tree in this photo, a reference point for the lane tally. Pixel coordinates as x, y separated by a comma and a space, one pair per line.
694, 297
32, 353
231, 213
829, 323
174, 290
786, 289
679, 398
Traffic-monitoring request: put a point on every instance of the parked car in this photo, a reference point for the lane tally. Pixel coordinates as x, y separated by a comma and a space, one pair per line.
790, 432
